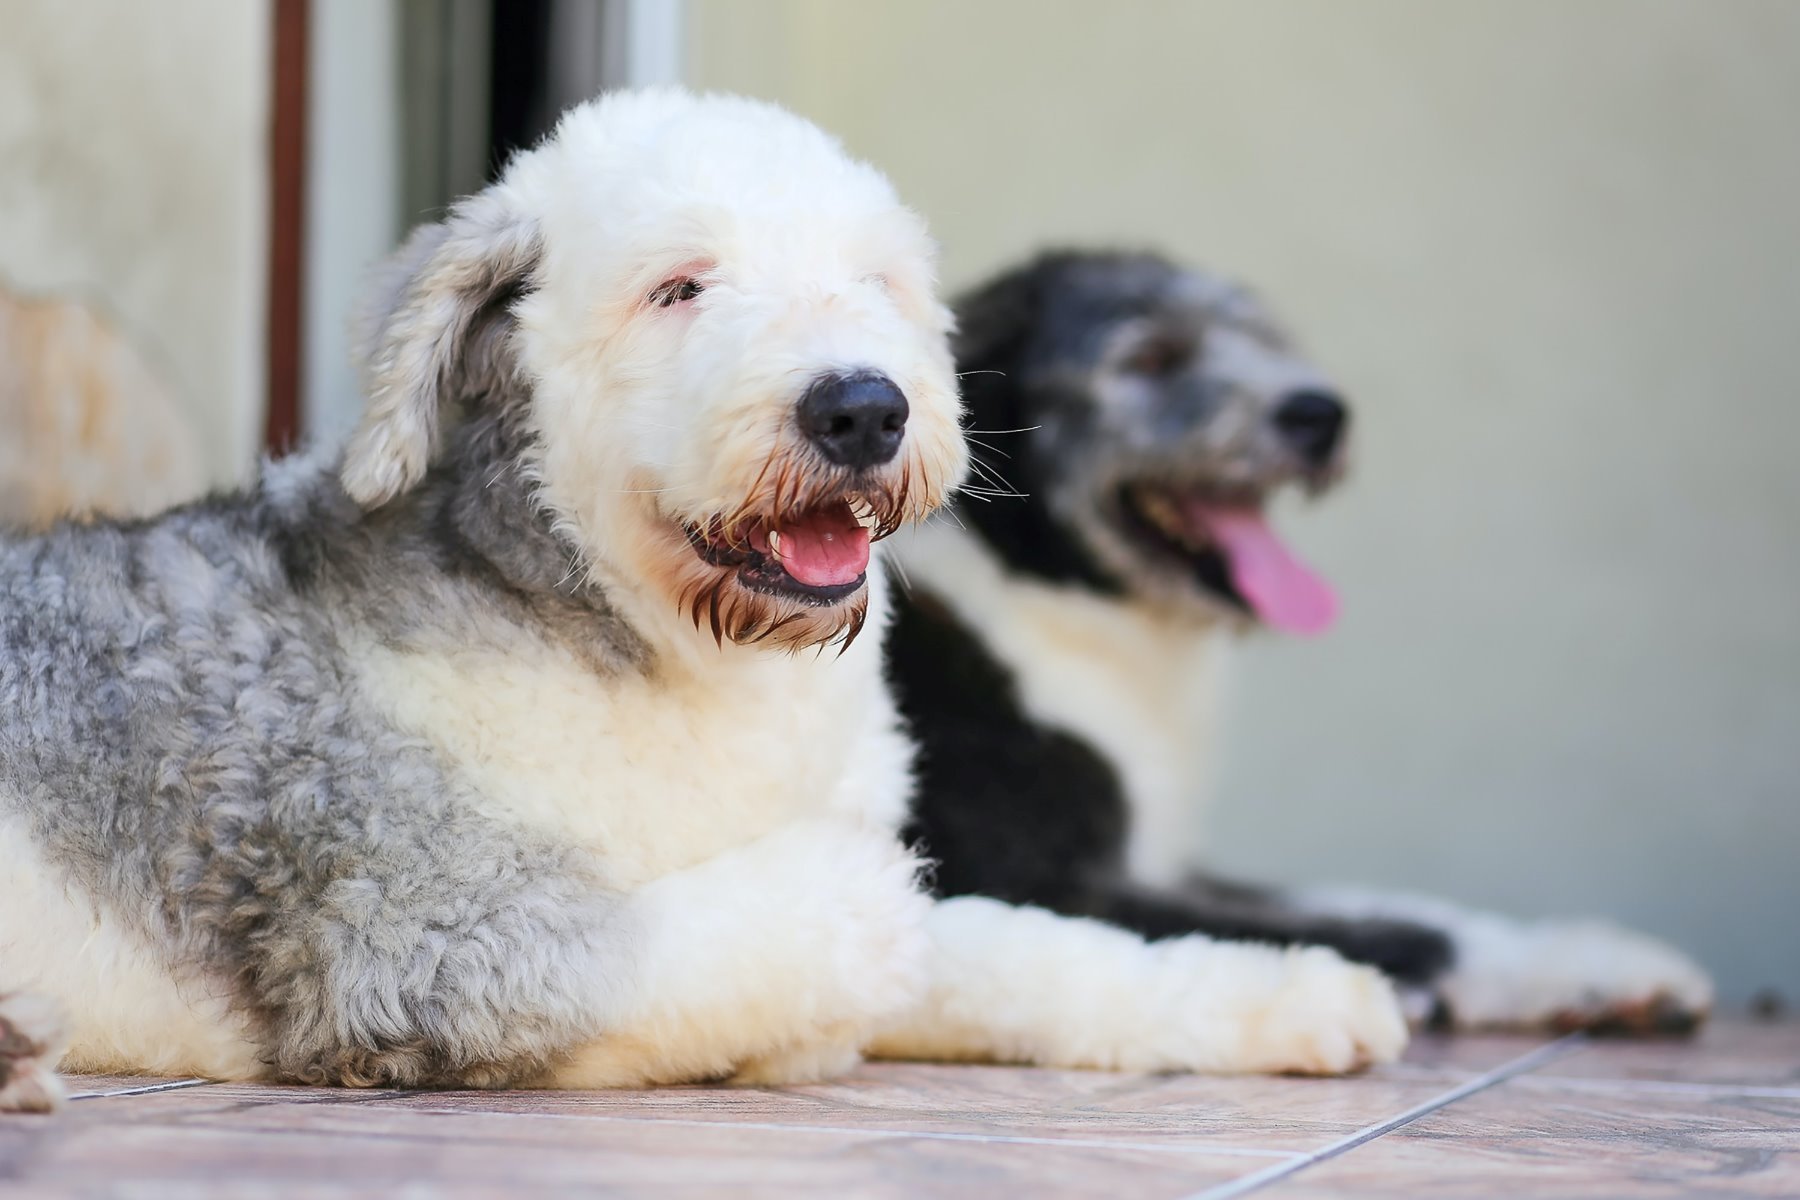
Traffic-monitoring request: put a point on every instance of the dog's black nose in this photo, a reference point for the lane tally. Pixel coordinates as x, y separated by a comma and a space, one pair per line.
856, 421
1313, 423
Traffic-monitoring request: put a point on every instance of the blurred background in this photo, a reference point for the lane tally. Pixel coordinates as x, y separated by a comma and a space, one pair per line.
1552, 251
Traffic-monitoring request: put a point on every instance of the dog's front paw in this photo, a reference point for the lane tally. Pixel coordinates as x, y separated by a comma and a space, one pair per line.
1570, 975
826, 1058
1323, 1016
30, 1046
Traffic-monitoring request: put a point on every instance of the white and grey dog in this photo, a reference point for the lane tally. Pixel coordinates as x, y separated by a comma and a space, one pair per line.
483, 756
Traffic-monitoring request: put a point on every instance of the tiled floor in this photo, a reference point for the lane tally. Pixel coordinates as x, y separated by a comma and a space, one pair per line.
1511, 1117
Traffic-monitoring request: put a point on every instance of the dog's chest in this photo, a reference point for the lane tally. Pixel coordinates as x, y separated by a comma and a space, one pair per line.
653, 772
1139, 688
1140, 692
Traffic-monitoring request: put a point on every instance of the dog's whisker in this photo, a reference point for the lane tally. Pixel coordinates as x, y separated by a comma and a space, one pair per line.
898, 566
991, 476
990, 449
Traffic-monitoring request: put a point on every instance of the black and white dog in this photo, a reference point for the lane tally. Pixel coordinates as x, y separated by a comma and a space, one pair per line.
1058, 652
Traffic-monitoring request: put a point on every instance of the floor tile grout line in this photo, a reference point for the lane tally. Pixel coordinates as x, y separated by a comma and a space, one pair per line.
146, 1090
873, 1131
1525, 1063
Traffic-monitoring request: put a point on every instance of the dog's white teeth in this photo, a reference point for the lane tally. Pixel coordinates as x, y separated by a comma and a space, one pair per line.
1162, 511
1166, 516
775, 542
864, 512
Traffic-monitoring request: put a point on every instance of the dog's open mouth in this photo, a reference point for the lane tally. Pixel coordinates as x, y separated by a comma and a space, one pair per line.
819, 555
1229, 548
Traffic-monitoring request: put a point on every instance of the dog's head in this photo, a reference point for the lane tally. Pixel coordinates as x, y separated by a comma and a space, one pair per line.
721, 337
1147, 412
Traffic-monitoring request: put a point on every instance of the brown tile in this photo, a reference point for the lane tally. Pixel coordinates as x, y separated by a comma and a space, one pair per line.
1254, 1117
1451, 1059
1263, 1116
1524, 1142
1730, 1053
959, 1103
254, 1145
1294, 1115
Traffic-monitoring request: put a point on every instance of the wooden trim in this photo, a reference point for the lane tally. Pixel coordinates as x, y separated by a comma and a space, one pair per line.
287, 225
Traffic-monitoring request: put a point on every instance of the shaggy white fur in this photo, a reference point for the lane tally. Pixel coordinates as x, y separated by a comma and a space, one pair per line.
1024, 985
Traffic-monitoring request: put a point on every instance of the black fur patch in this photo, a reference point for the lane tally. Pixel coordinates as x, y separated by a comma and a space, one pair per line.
1007, 807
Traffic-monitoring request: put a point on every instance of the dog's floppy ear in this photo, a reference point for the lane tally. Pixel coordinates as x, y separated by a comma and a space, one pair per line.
420, 335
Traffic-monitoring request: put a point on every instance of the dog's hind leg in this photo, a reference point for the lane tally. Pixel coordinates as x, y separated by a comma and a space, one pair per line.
30, 1045
1027, 986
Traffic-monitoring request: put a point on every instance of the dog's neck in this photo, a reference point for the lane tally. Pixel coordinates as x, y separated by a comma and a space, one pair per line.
466, 547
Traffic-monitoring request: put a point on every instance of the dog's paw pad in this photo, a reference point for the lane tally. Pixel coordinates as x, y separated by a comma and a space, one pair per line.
1659, 1015
30, 1045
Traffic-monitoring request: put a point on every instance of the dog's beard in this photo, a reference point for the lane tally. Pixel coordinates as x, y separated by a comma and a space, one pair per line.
729, 610
786, 567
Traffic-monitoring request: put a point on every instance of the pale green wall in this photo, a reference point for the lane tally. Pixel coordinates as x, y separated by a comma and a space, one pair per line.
1553, 249
133, 159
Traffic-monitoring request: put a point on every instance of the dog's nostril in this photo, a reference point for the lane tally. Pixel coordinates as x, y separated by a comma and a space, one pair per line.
1312, 421
856, 421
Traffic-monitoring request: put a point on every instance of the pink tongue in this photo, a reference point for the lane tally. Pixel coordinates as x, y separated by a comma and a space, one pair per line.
1282, 590
825, 548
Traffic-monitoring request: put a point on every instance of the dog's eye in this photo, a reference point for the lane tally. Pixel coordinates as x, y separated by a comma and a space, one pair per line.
676, 291
1158, 357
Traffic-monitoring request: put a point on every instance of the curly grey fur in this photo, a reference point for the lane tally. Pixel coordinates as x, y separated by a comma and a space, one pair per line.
178, 733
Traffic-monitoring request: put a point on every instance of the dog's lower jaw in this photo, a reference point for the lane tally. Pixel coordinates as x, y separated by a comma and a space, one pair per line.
688, 607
